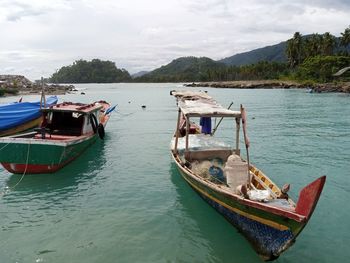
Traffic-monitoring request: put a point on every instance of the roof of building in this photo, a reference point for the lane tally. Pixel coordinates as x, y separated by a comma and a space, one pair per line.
341, 72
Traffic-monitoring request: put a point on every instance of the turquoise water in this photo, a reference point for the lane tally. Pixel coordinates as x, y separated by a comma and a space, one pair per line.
124, 201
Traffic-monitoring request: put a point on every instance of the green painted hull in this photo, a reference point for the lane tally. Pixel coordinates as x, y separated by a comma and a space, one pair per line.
39, 155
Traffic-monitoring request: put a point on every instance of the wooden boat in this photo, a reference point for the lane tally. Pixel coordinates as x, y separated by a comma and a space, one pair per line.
256, 206
20, 116
65, 132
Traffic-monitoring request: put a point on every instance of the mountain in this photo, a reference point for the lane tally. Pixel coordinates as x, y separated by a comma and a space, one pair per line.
183, 69
274, 53
139, 74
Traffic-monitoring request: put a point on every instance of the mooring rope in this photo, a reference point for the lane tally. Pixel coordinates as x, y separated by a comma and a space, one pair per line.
4, 146
125, 114
25, 169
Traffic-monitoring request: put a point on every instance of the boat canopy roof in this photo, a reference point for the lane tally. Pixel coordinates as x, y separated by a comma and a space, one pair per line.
200, 104
74, 107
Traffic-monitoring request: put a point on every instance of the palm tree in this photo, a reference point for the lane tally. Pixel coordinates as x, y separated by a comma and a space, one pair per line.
328, 44
295, 50
313, 45
345, 39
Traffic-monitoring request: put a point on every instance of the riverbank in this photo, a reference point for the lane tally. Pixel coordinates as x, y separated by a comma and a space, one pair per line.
343, 87
19, 85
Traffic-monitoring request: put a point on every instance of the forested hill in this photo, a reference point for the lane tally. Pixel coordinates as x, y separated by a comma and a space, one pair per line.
95, 71
183, 69
274, 53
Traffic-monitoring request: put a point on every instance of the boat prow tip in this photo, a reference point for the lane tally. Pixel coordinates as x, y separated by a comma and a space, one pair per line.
309, 197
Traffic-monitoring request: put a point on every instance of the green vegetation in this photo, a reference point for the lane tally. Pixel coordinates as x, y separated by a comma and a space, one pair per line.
185, 69
317, 57
311, 58
95, 71
188, 69
8, 91
259, 71
321, 68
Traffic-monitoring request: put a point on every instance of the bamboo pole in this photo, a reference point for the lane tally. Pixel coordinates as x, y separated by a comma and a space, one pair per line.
177, 131
216, 127
42, 98
246, 140
238, 126
187, 131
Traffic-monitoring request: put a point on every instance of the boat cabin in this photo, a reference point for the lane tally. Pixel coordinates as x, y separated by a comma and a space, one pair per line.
71, 119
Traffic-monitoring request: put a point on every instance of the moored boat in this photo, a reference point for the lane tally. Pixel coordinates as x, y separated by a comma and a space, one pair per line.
66, 131
265, 214
20, 116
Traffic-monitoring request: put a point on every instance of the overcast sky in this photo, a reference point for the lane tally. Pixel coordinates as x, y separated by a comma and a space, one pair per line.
37, 37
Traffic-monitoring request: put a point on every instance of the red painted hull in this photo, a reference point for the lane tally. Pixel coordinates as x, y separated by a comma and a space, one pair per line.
33, 168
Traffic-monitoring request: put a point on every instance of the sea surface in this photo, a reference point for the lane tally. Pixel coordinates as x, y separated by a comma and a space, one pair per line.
123, 200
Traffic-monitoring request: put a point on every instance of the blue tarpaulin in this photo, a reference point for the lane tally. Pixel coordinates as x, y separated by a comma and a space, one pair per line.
17, 113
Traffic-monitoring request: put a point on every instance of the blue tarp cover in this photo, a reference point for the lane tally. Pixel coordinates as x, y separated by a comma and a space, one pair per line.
17, 113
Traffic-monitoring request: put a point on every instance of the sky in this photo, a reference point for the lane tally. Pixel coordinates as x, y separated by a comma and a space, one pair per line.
38, 37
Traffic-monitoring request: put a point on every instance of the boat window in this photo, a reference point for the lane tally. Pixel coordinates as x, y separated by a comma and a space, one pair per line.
49, 117
66, 123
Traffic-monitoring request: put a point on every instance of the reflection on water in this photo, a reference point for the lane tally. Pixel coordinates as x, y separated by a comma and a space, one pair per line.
35, 197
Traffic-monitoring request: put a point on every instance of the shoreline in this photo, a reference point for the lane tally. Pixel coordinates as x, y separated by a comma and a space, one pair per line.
343, 87
17, 85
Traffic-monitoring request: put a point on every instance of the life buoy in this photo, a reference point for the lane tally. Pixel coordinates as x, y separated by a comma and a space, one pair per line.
93, 121
101, 131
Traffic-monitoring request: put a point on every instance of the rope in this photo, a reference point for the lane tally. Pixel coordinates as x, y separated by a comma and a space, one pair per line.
25, 170
4, 146
125, 114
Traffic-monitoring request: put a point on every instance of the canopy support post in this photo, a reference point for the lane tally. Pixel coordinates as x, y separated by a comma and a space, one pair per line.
238, 122
177, 131
187, 133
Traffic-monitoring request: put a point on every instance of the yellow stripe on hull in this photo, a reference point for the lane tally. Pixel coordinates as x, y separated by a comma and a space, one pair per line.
22, 127
240, 212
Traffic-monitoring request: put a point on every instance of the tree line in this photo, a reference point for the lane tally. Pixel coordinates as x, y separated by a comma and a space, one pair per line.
94, 71
314, 57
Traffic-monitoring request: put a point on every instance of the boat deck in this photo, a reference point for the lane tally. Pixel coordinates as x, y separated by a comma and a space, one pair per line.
199, 142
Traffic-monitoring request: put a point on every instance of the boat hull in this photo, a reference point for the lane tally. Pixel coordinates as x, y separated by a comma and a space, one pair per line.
22, 127
268, 233
30, 156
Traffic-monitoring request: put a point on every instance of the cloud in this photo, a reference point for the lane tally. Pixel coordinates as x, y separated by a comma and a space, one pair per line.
41, 36
18, 9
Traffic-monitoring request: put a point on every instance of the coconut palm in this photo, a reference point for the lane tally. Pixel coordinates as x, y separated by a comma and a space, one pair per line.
312, 45
328, 44
345, 38
295, 50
